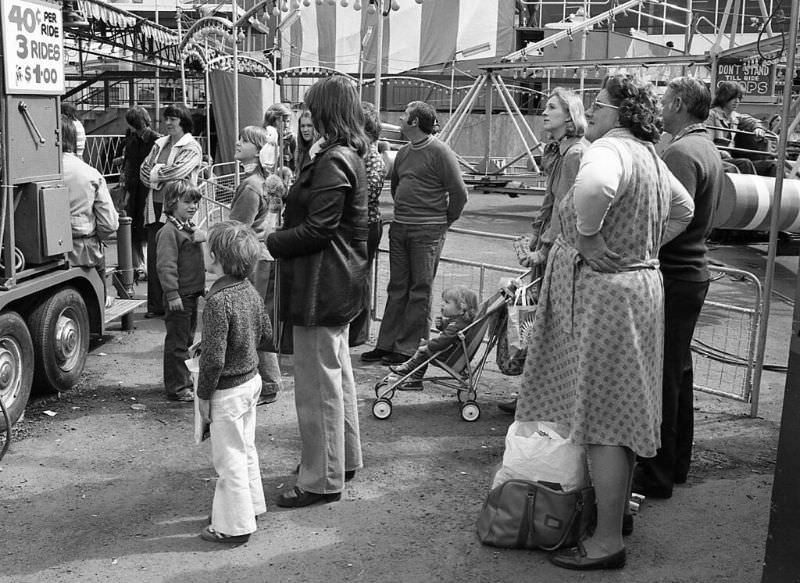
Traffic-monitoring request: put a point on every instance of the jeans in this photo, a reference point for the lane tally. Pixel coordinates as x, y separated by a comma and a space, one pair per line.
359, 327
683, 301
239, 494
181, 326
327, 411
414, 252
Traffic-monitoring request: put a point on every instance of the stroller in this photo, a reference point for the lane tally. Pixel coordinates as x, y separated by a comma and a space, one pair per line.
455, 362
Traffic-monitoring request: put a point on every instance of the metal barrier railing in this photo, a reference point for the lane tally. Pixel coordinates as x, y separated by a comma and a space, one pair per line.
101, 150
724, 342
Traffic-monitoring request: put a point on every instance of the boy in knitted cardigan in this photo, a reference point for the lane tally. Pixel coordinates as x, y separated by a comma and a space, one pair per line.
183, 279
235, 327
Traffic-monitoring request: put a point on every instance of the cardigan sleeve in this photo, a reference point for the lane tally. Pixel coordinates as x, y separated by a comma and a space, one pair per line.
167, 249
215, 342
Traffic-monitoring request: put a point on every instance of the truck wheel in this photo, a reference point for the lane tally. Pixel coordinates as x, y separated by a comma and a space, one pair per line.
60, 331
16, 366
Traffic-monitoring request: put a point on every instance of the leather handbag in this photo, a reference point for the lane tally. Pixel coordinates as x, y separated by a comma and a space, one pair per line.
519, 514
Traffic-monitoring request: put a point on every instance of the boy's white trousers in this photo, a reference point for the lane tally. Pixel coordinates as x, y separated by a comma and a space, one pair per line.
239, 495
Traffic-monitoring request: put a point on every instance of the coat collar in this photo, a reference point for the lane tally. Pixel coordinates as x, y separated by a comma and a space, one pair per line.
222, 283
185, 139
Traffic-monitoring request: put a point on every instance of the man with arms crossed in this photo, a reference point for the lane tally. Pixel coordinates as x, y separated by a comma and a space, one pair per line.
429, 195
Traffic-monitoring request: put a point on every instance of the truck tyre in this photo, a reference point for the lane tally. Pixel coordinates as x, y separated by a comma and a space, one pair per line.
16, 366
60, 331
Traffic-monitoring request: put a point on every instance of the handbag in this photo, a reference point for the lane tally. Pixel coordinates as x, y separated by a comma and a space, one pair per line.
520, 514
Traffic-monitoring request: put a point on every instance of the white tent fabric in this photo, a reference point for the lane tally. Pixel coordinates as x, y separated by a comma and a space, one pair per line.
416, 35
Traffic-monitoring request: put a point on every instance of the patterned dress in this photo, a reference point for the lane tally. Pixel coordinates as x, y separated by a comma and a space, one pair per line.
595, 357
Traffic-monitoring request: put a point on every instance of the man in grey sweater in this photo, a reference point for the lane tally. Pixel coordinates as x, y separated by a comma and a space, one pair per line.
429, 195
695, 161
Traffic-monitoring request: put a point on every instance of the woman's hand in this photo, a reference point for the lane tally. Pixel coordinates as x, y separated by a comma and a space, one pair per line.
176, 305
596, 254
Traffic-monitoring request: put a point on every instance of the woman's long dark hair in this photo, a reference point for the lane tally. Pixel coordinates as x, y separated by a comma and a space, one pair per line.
336, 111
639, 107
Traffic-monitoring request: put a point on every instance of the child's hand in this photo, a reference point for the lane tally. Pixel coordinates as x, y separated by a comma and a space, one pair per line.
205, 410
423, 343
199, 236
437, 322
176, 305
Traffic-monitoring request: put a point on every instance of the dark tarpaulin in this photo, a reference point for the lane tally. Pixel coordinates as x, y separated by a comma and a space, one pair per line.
251, 109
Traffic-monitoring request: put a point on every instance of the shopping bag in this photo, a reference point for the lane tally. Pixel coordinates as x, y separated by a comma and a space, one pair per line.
541, 452
202, 430
515, 332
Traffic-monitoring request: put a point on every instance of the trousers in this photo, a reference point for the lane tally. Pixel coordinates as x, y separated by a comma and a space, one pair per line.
239, 493
414, 252
327, 411
683, 301
181, 327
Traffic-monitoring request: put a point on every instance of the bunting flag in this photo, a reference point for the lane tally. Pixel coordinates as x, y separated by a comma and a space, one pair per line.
416, 35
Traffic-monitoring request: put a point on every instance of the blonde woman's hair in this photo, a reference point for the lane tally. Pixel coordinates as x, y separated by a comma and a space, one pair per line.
466, 299
572, 104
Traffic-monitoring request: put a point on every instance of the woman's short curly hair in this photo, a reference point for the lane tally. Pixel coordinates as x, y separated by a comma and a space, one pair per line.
639, 106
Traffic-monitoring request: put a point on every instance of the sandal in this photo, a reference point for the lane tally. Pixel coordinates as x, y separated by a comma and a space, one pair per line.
212, 536
184, 396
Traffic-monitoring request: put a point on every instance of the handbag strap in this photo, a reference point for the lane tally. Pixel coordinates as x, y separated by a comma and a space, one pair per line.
579, 504
526, 525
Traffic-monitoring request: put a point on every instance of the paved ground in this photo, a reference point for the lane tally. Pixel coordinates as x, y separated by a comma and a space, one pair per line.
111, 487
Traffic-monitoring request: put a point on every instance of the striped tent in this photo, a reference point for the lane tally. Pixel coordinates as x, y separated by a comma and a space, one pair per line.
416, 35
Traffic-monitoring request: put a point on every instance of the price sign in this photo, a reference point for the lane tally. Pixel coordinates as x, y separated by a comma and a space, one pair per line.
33, 45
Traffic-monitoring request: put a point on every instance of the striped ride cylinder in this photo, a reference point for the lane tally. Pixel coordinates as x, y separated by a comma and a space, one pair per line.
746, 199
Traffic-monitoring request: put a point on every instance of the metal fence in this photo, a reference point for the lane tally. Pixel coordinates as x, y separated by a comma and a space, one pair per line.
101, 150
724, 342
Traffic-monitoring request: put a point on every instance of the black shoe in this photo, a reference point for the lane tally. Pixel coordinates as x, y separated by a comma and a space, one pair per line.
412, 384
576, 559
509, 407
267, 398
149, 315
212, 536
349, 475
375, 355
394, 358
298, 498
647, 486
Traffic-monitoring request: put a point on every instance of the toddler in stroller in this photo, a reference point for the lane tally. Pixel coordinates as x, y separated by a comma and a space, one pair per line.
459, 306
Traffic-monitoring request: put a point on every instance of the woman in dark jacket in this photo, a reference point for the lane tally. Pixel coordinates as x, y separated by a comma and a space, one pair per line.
322, 253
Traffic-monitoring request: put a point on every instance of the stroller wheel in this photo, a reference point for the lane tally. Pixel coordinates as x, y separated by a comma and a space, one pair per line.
470, 411
382, 408
380, 389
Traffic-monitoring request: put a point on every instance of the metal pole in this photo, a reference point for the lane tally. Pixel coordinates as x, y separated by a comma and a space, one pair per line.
452, 82
157, 88
180, 56
275, 48
208, 101
235, 88
379, 55
775, 208
780, 557
125, 270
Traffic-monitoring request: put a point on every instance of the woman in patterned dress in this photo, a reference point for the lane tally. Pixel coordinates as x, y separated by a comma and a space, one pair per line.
594, 362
